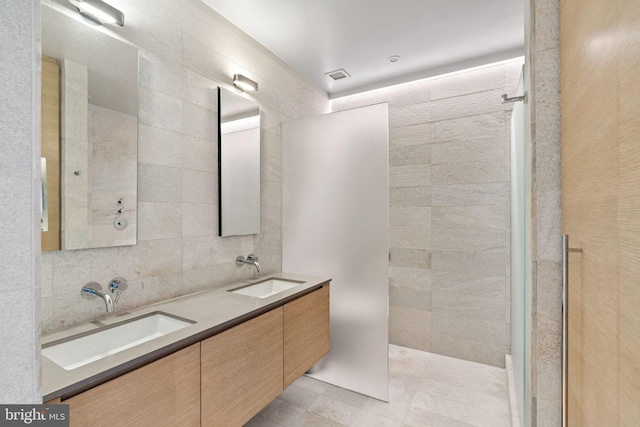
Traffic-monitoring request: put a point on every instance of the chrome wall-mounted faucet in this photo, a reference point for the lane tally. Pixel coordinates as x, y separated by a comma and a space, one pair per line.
251, 260
117, 285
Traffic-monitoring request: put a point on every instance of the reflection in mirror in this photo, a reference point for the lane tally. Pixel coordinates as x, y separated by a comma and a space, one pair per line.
89, 135
238, 164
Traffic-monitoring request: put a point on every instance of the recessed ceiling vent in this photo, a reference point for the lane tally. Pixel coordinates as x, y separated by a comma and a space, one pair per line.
338, 74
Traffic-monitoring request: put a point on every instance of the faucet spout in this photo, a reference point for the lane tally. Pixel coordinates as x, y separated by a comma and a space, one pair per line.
256, 265
92, 290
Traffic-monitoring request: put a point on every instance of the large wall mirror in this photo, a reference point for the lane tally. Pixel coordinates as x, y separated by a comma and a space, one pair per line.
89, 135
238, 164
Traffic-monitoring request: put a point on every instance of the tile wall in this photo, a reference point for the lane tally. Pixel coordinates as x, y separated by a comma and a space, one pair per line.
186, 51
20, 193
449, 184
542, 45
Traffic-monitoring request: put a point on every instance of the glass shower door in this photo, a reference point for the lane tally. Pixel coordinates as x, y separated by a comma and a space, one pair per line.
520, 270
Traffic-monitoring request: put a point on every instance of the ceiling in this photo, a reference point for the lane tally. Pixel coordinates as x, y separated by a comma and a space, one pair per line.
431, 36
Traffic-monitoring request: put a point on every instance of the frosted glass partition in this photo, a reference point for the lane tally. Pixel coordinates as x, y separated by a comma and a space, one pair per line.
519, 353
335, 221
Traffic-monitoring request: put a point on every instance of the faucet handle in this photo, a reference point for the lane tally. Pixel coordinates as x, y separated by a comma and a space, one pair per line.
88, 291
118, 285
252, 257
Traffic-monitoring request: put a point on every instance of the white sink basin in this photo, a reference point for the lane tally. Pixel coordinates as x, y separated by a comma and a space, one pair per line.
75, 352
265, 288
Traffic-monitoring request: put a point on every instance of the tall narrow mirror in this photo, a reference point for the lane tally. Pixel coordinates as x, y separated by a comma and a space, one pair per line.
89, 135
238, 164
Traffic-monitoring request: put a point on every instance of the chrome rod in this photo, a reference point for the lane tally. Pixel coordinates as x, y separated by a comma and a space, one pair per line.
565, 279
507, 100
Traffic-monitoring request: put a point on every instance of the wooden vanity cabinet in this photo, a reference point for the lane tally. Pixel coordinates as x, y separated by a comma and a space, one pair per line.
306, 333
163, 393
242, 370
224, 380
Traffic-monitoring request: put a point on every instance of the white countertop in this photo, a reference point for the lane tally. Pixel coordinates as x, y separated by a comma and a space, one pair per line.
212, 310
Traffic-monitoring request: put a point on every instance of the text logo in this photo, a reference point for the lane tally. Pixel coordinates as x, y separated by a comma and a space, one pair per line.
34, 415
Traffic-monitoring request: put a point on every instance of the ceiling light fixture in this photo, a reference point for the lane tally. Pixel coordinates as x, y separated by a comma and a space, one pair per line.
393, 58
97, 12
243, 83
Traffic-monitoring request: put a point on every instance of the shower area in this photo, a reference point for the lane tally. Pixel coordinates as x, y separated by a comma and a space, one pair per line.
454, 265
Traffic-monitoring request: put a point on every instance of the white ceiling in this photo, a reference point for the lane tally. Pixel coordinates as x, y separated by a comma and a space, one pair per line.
431, 36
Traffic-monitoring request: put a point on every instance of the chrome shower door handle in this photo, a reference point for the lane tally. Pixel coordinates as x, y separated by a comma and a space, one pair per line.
565, 320
565, 279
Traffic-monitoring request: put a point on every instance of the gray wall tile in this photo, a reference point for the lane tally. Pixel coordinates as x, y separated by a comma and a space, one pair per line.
410, 277
159, 183
487, 263
402, 257
468, 306
407, 155
21, 365
412, 216
20, 189
200, 219
468, 194
410, 196
491, 125
410, 176
467, 105
158, 73
469, 217
199, 154
418, 299
16, 265
159, 110
159, 220
468, 239
410, 237
469, 284
159, 147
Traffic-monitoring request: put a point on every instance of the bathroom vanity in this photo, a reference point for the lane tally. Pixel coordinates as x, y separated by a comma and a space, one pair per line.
242, 351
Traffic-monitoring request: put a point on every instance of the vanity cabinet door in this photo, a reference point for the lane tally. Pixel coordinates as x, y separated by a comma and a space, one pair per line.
306, 333
242, 370
163, 393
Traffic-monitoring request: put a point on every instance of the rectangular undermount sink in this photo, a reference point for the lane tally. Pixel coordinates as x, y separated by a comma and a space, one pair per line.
265, 288
73, 352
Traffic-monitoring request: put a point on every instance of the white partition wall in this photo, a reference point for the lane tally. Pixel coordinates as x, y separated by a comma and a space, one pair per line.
335, 221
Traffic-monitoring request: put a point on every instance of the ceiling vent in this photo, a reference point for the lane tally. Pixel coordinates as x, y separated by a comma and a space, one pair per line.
338, 74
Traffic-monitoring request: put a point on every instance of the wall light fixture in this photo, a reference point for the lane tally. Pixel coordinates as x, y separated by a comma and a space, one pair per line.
244, 83
98, 12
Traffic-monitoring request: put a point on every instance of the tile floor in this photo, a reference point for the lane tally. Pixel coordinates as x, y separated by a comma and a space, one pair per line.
425, 389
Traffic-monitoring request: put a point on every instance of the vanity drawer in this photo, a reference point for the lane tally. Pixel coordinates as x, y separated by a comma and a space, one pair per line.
163, 393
